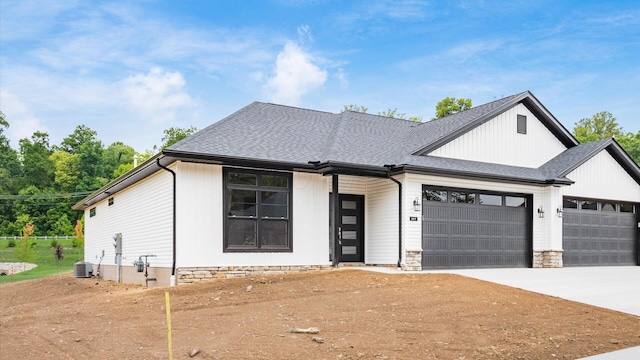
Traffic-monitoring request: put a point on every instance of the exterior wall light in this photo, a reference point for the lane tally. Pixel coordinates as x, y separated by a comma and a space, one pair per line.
416, 204
559, 211
540, 212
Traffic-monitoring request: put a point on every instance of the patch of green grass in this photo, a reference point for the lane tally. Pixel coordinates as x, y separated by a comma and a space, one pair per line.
45, 259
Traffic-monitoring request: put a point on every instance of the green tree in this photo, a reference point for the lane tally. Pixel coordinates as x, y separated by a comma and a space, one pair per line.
174, 134
67, 170
83, 142
392, 113
630, 142
10, 177
82, 134
36, 165
116, 155
58, 223
451, 105
355, 108
600, 126
24, 252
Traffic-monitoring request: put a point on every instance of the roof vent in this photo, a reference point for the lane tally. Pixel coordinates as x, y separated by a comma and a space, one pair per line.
82, 269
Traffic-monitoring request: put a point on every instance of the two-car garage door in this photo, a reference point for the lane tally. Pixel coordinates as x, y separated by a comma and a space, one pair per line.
464, 228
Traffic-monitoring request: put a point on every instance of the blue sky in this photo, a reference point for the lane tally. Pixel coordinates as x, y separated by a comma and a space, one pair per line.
129, 70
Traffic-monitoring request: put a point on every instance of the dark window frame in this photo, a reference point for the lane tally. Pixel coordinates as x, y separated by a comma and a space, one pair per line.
259, 189
92, 212
521, 124
110, 201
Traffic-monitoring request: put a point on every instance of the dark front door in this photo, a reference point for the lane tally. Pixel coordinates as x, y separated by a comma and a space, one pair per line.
351, 228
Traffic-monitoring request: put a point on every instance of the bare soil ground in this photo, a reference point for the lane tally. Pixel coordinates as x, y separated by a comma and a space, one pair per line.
360, 315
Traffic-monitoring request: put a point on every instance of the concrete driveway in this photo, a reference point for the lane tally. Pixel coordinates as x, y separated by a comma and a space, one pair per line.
614, 287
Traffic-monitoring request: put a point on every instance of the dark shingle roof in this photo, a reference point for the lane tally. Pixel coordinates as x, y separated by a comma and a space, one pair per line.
283, 134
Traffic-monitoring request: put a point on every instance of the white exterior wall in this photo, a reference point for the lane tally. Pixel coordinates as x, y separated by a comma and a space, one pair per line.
381, 222
143, 214
497, 141
380, 216
201, 214
542, 236
601, 177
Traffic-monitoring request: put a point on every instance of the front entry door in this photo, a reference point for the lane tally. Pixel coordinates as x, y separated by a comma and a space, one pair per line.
351, 228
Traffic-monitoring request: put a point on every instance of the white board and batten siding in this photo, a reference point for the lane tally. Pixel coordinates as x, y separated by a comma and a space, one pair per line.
497, 141
143, 214
601, 177
380, 216
201, 220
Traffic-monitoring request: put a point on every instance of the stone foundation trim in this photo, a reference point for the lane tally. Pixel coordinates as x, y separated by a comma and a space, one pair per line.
187, 275
413, 260
547, 259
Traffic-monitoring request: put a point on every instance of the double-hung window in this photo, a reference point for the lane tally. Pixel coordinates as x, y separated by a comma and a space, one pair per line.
258, 210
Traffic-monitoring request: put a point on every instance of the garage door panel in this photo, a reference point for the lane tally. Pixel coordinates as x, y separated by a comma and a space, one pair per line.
476, 235
592, 238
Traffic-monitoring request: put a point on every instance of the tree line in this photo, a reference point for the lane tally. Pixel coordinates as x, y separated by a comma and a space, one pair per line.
40, 182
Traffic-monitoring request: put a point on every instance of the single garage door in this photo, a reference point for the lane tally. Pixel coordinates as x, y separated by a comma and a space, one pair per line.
598, 232
472, 229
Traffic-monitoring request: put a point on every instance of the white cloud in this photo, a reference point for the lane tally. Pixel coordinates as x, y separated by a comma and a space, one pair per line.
295, 74
342, 78
157, 95
22, 123
304, 34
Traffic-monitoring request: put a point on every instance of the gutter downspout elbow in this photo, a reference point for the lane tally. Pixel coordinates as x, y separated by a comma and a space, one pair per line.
399, 217
173, 265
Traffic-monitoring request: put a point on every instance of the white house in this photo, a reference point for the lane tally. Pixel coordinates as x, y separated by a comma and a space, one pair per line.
503, 184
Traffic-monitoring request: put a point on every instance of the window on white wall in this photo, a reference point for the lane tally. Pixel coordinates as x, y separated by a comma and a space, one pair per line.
522, 124
258, 210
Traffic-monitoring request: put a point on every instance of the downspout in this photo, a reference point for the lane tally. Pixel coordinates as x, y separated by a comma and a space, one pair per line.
399, 214
173, 266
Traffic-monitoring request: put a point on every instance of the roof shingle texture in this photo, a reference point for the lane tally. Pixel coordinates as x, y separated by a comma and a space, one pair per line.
278, 133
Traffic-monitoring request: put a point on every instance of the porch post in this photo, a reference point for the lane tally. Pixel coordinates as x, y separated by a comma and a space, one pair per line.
336, 219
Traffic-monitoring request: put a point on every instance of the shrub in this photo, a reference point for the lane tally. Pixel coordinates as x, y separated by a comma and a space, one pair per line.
54, 243
11, 243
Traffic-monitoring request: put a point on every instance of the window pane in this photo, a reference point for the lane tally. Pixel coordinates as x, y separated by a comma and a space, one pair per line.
608, 207
273, 233
242, 202
349, 250
460, 197
275, 181
349, 235
241, 232
434, 195
486, 199
515, 201
274, 204
589, 205
349, 205
238, 178
570, 203
349, 220
628, 208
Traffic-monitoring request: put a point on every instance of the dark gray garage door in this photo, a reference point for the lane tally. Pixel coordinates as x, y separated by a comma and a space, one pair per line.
468, 229
598, 232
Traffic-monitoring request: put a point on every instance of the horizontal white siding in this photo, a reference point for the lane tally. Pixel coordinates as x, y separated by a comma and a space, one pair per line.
200, 225
601, 177
497, 141
143, 214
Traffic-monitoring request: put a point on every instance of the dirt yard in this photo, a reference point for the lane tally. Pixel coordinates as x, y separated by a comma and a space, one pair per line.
359, 314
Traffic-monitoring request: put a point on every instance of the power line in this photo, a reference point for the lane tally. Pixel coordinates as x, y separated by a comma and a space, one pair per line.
46, 196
